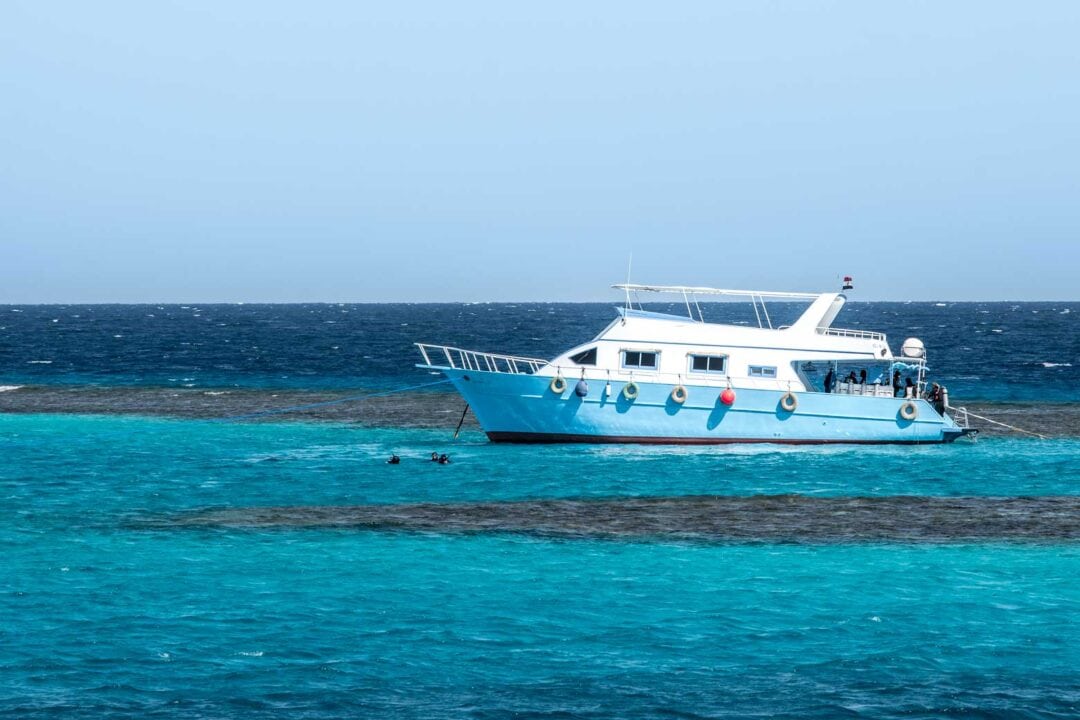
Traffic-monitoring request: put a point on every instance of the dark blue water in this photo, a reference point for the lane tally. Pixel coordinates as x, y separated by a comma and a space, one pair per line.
981, 351
187, 568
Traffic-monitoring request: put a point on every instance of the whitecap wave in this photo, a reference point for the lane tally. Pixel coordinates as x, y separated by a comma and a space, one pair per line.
1054, 365
39, 362
5, 388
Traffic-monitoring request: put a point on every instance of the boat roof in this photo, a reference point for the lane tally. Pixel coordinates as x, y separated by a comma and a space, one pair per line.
818, 317
692, 290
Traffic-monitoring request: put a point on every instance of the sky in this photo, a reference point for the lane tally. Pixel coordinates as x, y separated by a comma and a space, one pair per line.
360, 152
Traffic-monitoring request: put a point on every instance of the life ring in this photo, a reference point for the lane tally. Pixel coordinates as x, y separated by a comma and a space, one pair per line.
630, 390
558, 385
909, 410
678, 394
789, 402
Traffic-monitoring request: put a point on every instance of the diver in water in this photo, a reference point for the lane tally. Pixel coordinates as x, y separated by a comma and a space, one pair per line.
444, 459
434, 457
394, 460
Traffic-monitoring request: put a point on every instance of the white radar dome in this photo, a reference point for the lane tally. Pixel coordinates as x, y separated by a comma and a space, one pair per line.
913, 348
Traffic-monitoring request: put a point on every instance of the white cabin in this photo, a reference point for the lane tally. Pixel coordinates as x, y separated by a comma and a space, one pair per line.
659, 347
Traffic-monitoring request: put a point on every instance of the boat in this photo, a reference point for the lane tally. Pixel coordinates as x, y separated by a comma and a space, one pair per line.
667, 378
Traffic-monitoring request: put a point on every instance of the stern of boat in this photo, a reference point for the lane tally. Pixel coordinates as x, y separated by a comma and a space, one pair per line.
958, 424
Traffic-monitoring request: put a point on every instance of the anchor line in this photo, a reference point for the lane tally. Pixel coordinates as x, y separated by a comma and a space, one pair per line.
327, 403
1006, 425
461, 421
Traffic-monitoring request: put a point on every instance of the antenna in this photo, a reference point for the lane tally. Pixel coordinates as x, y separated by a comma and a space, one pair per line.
629, 265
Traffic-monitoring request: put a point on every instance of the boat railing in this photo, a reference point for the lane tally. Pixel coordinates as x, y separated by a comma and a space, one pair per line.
960, 416
861, 334
843, 332
461, 359
866, 389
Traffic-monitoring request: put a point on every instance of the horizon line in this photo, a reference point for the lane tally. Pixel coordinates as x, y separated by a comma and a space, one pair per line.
620, 301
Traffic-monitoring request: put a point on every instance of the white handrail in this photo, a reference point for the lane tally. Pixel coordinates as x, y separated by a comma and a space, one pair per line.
462, 359
842, 332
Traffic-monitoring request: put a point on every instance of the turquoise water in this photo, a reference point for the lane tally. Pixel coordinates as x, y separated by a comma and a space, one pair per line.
102, 614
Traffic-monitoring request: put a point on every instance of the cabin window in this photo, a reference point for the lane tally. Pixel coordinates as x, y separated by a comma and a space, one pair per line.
708, 363
762, 371
585, 357
639, 359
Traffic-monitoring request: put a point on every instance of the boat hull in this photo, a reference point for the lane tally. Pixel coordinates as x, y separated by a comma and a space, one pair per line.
524, 409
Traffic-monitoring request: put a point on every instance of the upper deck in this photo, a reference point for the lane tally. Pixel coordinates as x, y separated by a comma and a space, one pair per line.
666, 347
816, 319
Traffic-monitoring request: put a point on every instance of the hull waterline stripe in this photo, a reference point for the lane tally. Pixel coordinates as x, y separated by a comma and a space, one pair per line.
549, 438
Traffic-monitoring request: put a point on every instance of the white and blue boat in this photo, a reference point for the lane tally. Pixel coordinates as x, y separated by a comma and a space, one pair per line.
652, 377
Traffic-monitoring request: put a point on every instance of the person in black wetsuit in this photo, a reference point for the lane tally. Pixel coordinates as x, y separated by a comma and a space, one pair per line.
830, 380
862, 376
394, 460
896, 383
936, 398
444, 459
434, 457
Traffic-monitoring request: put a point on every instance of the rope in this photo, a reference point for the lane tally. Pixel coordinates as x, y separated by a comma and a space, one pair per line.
462, 420
1006, 425
310, 406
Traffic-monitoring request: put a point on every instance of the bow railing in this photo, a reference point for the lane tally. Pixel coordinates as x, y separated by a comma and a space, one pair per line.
447, 356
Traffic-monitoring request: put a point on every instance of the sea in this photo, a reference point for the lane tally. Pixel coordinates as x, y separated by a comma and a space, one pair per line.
197, 520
